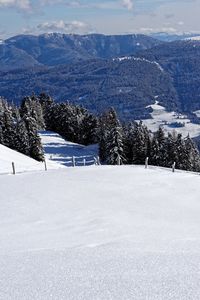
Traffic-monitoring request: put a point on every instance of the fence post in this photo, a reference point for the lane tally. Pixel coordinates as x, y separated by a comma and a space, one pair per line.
45, 165
95, 161
98, 161
13, 168
173, 167
146, 162
73, 161
119, 161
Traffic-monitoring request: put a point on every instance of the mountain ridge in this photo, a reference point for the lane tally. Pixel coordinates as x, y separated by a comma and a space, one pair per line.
54, 49
127, 81
127, 85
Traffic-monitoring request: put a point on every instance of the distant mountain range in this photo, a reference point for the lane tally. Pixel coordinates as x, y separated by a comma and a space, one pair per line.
170, 37
25, 51
127, 72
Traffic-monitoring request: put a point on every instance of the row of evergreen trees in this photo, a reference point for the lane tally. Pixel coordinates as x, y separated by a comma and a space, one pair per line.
19, 131
118, 143
19, 126
72, 122
133, 143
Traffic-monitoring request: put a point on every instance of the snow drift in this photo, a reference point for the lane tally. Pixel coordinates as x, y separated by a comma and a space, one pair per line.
100, 233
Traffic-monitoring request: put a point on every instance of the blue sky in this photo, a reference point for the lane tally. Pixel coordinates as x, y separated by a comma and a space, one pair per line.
109, 17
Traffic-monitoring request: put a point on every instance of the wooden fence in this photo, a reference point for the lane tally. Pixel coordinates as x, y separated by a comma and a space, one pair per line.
73, 161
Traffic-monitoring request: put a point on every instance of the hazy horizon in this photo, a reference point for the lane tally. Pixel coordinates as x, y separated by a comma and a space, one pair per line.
106, 17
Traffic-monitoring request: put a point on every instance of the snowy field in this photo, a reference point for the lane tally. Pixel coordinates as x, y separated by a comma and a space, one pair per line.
58, 154
22, 162
168, 120
101, 233
61, 151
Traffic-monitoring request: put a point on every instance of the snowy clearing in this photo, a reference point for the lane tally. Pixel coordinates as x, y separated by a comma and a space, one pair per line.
194, 38
100, 232
139, 59
61, 151
169, 120
22, 162
58, 154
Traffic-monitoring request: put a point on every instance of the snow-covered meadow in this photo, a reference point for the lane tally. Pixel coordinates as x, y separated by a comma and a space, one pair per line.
58, 154
168, 121
60, 151
100, 232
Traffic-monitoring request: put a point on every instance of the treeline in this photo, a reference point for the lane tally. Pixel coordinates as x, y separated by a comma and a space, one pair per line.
133, 143
18, 131
72, 122
19, 126
118, 143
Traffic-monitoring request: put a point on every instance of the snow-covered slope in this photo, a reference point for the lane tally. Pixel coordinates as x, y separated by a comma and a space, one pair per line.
61, 151
22, 162
58, 154
171, 121
100, 233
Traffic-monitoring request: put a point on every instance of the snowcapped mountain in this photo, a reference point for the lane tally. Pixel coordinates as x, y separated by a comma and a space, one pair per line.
170, 37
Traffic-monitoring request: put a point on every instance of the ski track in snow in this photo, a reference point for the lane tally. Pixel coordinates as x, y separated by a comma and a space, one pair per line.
100, 232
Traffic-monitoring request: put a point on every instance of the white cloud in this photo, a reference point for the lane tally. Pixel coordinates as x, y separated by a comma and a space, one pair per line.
55, 2
76, 27
148, 30
30, 5
127, 4
19, 4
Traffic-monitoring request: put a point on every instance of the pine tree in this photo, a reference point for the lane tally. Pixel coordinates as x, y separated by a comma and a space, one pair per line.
47, 104
140, 143
107, 122
1, 121
102, 133
193, 162
35, 145
9, 130
31, 107
180, 153
128, 142
87, 128
22, 138
159, 155
115, 146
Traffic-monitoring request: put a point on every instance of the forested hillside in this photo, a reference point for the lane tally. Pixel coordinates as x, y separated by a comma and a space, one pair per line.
129, 85
96, 71
128, 143
181, 60
54, 49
